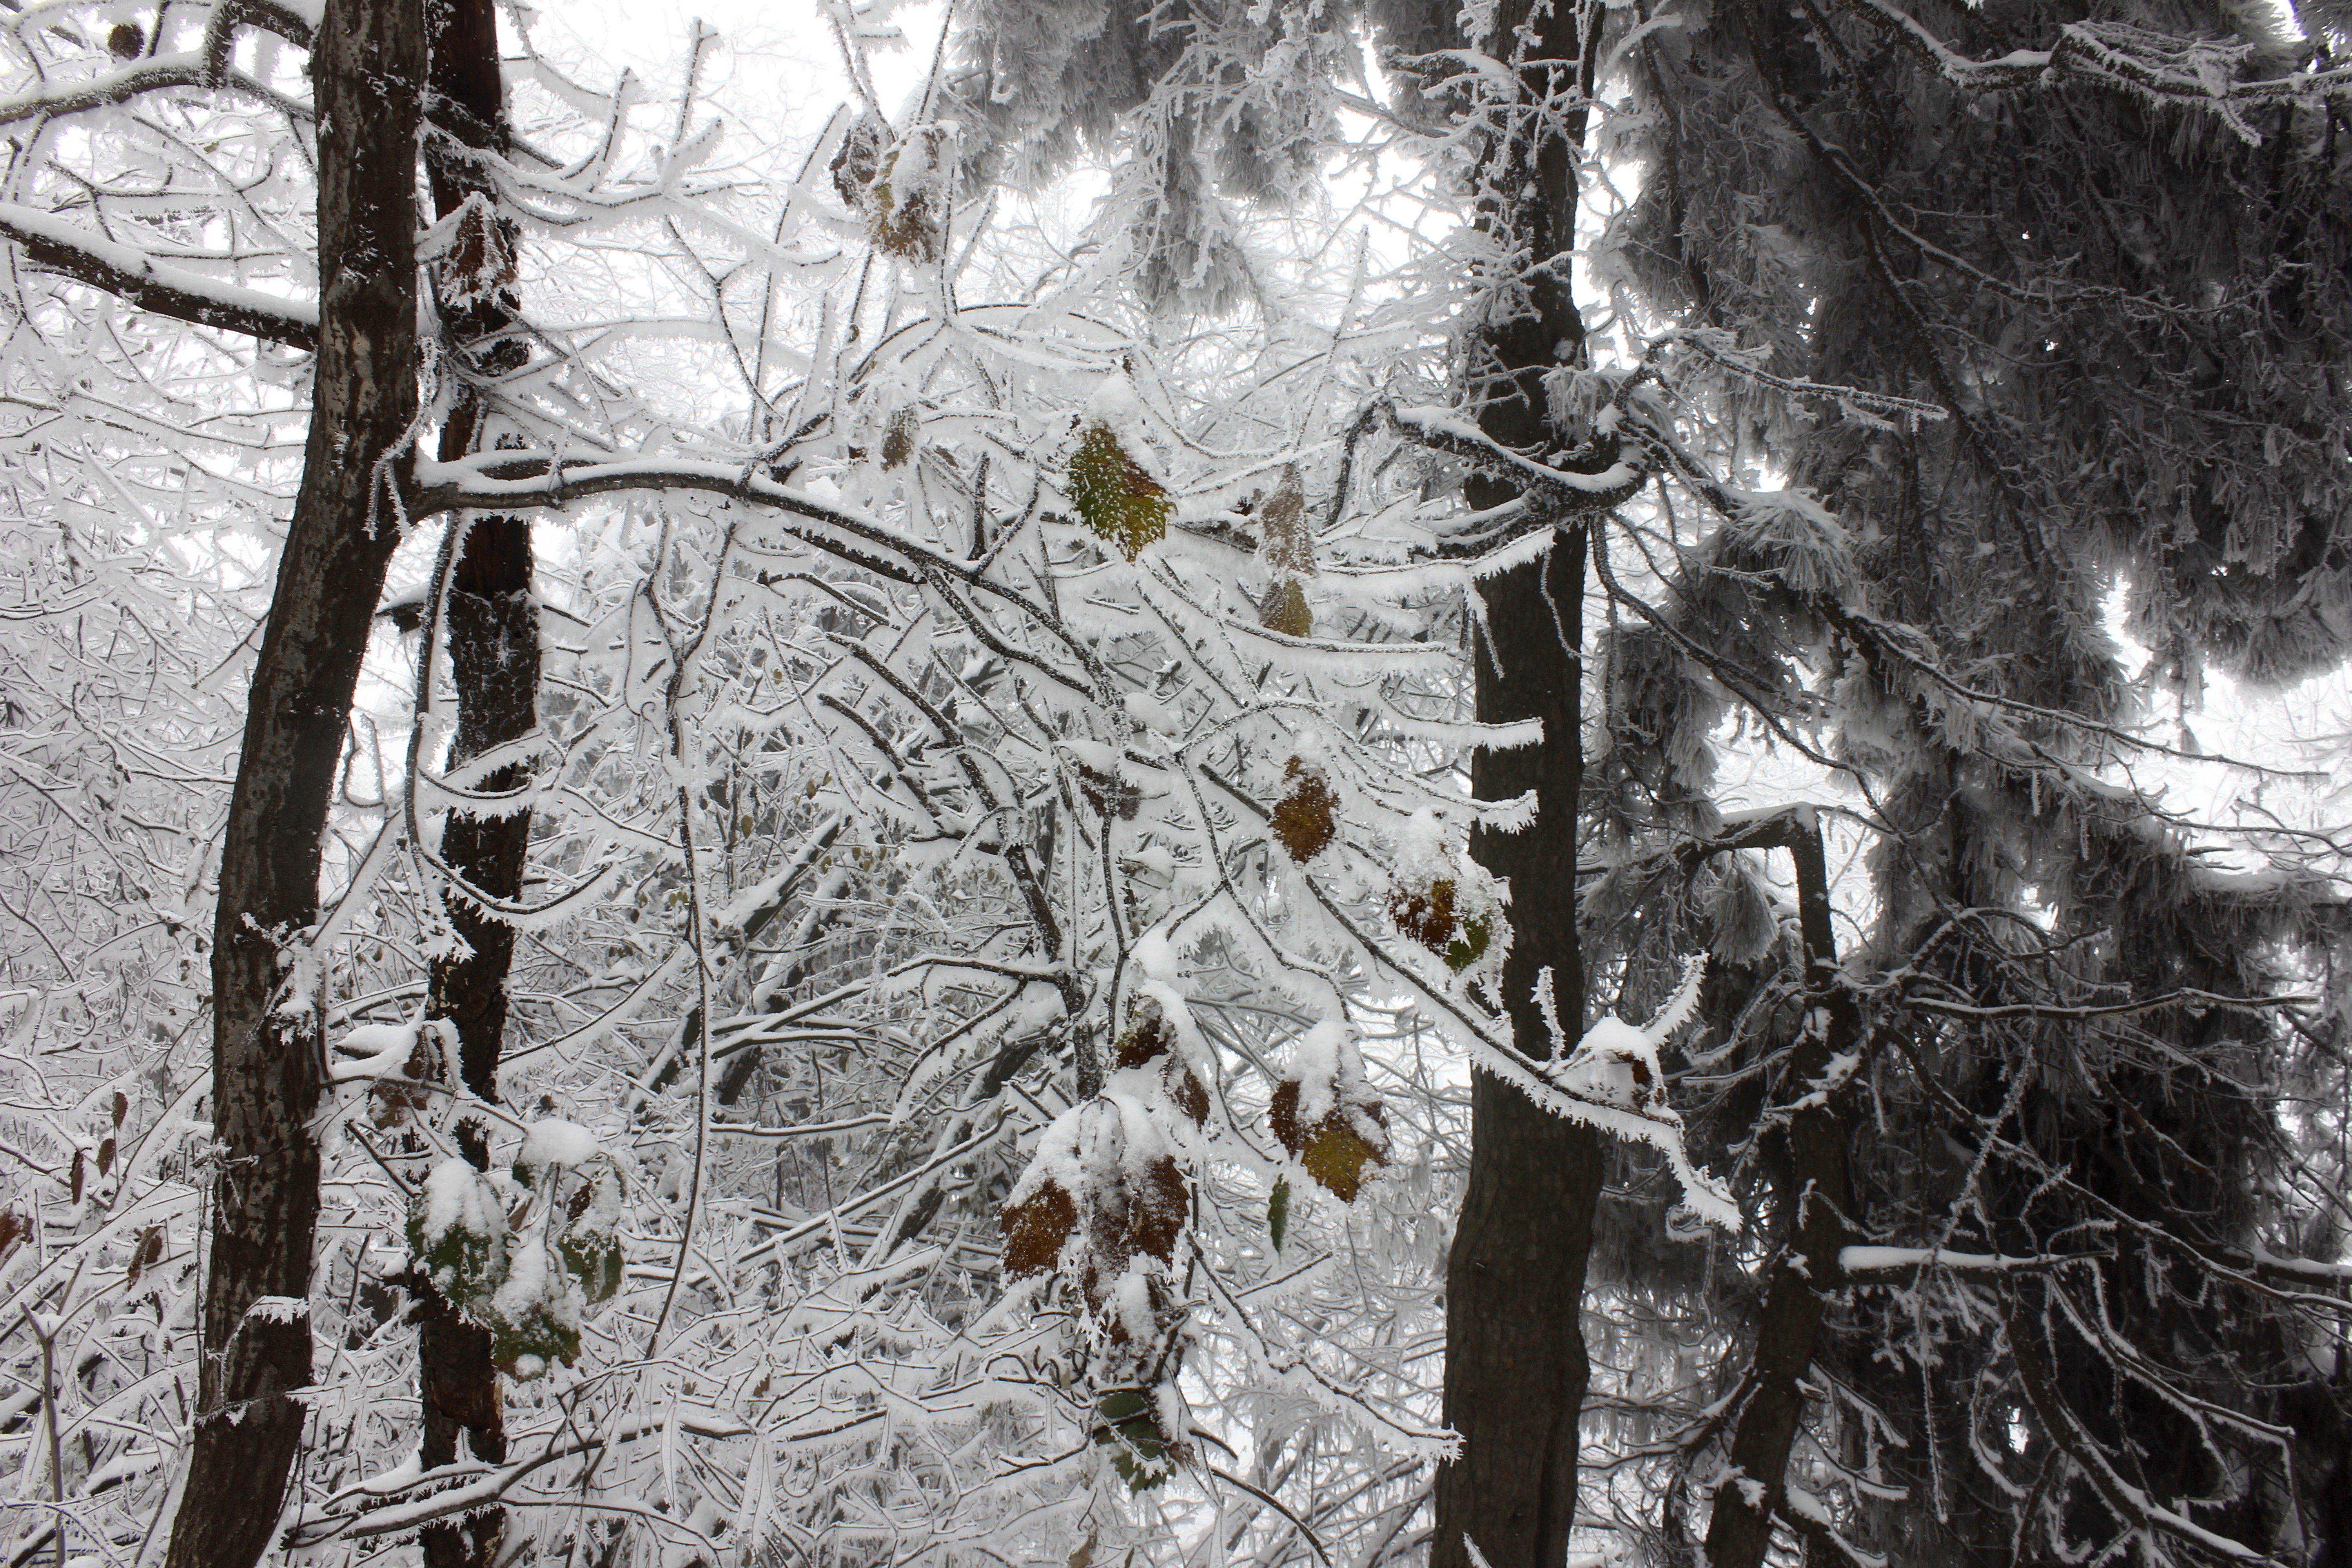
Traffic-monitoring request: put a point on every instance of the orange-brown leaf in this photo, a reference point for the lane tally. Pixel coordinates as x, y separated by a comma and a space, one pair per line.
149, 1252
1147, 1039
899, 439
1427, 915
1157, 1214
1036, 1230
1191, 1097
1337, 1154
1330, 1149
1304, 821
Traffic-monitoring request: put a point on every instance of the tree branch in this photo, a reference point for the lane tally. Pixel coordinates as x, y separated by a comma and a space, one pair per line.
55, 245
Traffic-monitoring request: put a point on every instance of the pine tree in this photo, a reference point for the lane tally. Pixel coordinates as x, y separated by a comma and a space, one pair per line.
2104, 295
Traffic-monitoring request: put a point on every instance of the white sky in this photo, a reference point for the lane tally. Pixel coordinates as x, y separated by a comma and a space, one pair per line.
778, 65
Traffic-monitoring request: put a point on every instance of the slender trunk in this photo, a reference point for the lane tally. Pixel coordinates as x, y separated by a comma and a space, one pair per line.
1516, 1369
494, 662
367, 72
1814, 1203
1515, 1360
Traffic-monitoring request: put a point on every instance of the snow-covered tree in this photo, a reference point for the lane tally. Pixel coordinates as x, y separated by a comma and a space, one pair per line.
2042, 1092
860, 937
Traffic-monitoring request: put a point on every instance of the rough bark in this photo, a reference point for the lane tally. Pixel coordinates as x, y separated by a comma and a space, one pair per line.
494, 663
1814, 1203
1516, 1368
267, 1057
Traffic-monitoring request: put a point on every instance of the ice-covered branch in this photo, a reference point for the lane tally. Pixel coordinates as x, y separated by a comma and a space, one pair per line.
137, 278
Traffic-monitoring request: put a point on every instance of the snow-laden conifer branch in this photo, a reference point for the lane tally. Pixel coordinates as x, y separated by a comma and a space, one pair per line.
2198, 72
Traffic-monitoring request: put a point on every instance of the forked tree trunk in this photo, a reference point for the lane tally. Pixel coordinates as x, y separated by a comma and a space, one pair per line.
494, 664
268, 1061
1516, 1369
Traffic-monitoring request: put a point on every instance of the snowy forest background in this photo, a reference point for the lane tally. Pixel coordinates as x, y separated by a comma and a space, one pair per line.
1509, 784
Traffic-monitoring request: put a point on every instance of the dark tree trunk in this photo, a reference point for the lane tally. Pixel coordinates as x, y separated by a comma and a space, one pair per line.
1814, 1203
367, 73
1515, 1361
494, 662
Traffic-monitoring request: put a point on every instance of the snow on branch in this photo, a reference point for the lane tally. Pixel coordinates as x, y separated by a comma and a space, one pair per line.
137, 278
1613, 1080
2157, 66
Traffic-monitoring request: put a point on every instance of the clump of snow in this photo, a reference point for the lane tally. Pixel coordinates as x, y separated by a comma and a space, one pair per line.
1154, 954
1324, 1058
1616, 1064
1613, 1080
554, 1144
456, 1198
1153, 715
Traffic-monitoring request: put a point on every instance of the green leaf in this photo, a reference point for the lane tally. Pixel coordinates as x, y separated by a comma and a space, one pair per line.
1139, 1449
1470, 946
524, 1348
1122, 502
594, 1259
465, 1264
1277, 1211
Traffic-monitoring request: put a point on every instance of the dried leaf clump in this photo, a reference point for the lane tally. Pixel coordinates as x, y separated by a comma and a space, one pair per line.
1289, 550
1132, 1215
1429, 916
1104, 1198
859, 158
1150, 1040
907, 202
1303, 821
1114, 495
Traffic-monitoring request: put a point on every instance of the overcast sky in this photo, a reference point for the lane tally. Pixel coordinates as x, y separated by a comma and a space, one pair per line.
778, 63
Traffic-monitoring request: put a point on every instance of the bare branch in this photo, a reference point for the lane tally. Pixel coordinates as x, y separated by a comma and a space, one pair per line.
53, 245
